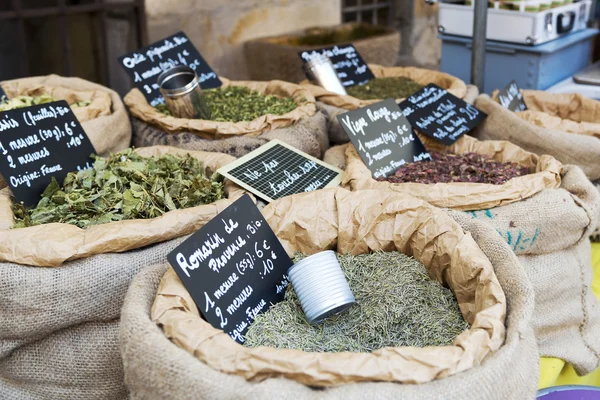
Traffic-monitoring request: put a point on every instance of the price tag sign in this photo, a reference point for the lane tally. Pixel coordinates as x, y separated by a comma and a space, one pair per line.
510, 97
145, 65
277, 169
383, 137
234, 268
440, 115
38, 143
349, 65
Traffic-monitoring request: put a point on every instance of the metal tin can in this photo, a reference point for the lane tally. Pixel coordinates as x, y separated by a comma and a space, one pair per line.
321, 286
182, 93
320, 71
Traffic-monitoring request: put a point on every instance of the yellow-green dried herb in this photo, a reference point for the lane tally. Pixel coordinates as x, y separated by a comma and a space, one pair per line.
28, 101
397, 87
397, 304
123, 186
162, 108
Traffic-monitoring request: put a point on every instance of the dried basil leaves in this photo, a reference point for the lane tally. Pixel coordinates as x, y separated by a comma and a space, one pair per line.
449, 167
123, 186
396, 87
28, 101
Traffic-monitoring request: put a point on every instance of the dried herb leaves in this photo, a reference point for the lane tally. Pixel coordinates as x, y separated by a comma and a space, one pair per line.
122, 186
28, 101
396, 87
448, 167
397, 304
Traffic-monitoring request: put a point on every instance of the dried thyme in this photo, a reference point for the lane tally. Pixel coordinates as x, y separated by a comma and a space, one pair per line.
28, 101
397, 304
122, 186
383, 88
448, 167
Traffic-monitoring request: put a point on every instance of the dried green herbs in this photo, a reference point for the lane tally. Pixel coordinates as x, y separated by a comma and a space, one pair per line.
344, 34
28, 101
397, 304
396, 87
122, 186
448, 167
239, 103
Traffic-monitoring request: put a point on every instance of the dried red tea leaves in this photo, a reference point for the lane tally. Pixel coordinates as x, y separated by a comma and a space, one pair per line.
449, 167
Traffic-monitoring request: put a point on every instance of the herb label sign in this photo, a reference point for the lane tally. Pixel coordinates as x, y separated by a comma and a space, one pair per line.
234, 268
276, 170
349, 65
510, 97
383, 137
38, 143
145, 65
440, 115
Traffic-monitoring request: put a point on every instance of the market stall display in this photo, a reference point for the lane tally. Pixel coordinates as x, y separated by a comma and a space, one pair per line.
62, 286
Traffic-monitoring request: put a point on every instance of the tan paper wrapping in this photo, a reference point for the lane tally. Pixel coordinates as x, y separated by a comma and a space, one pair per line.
50, 245
452, 84
139, 107
466, 196
356, 223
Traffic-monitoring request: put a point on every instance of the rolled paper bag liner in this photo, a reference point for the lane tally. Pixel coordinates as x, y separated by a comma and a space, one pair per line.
321, 286
320, 71
182, 92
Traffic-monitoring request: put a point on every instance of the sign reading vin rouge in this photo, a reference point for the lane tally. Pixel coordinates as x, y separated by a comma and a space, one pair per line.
383, 137
440, 115
38, 143
145, 65
234, 268
349, 65
510, 97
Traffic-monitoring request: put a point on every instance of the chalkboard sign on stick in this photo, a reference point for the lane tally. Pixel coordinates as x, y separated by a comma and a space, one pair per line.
383, 137
234, 268
38, 143
277, 169
349, 65
510, 97
440, 115
145, 65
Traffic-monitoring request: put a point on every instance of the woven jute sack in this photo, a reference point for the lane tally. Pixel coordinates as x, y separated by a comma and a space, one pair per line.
276, 57
58, 279
304, 127
156, 367
334, 104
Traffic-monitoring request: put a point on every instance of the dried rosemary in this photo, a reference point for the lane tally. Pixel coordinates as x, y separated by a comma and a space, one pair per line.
383, 88
397, 304
122, 186
28, 101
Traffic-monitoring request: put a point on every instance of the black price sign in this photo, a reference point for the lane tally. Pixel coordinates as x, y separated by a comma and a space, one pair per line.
38, 143
383, 137
277, 169
510, 97
440, 115
145, 65
349, 65
234, 268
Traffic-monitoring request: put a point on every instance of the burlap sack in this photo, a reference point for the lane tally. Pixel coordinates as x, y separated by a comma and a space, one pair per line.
336, 156
333, 104
156, 368
56, 277
304, 128
465, 196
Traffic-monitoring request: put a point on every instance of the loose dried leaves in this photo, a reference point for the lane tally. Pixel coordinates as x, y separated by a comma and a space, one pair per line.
397, 304
449, 167
398, 87
28, 101
123, 186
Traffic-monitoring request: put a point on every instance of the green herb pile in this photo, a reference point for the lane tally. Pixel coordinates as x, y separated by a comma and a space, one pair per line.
325, 36
397, 87
397, 304
239, 103
28, 101
122, 186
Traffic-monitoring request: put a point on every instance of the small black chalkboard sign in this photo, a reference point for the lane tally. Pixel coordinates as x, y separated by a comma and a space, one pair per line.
349, 65
234, 268
276, 170
440, 115
383, 137
38, 143
510, 97
145, 65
